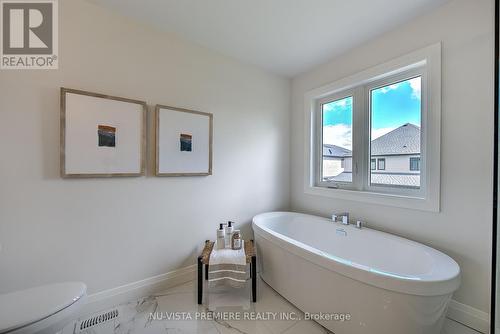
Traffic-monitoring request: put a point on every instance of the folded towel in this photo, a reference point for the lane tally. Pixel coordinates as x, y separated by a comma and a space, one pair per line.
227, 266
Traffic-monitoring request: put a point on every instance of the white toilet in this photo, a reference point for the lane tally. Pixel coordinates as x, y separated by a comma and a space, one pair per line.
44, 309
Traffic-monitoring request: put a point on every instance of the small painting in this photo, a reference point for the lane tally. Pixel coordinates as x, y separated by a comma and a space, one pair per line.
106, 135
186, 142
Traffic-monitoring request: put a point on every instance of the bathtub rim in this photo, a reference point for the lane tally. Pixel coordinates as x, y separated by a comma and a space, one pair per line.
378, 279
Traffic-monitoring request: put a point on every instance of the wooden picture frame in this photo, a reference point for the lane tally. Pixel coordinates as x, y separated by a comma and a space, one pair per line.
207, 142
104, 135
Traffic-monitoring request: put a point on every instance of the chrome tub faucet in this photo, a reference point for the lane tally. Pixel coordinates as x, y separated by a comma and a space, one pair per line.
341, 217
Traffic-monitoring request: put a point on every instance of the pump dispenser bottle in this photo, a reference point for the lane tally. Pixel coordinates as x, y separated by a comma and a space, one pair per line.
229, 233
221, 237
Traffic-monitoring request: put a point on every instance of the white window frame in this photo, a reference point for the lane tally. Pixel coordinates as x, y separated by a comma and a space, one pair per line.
426, 63
418, 71
318, 123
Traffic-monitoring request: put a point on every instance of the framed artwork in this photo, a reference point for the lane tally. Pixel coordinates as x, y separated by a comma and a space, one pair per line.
101, 135
183, 142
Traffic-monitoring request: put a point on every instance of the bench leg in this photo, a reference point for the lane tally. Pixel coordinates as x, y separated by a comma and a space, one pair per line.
200, 280
253, 272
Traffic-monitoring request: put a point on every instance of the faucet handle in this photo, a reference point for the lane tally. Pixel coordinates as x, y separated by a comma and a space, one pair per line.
341, 217
359, 224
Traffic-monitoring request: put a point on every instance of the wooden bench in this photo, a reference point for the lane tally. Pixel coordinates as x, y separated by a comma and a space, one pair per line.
204, 259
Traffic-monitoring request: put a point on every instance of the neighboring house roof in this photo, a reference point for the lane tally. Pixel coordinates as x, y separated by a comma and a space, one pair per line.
335, 151
408, 180
402, 140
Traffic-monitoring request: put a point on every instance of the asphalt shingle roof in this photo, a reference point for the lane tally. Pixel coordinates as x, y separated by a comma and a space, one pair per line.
402, 140
408, 180
335, 151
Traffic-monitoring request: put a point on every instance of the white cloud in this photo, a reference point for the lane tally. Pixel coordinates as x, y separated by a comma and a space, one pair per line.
380, 132
336, 104
387, 89
339, 134
415, 85
341, 103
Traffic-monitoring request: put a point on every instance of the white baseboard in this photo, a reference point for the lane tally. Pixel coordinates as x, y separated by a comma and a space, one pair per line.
461, 313
121, 294
453, 327
469, 316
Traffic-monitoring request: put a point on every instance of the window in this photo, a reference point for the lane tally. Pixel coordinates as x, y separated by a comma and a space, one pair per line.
415, 164
395, 122
336, 128
387, 133
381, 164
375, 136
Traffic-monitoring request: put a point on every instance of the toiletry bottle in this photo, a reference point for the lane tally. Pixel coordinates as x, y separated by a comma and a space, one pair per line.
224, 226
236, 240
221, 244
229, 233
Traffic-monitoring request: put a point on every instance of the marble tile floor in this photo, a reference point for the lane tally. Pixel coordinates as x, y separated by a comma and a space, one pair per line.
176, 311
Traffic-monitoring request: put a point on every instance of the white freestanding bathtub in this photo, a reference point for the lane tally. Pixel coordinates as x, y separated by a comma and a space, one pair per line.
382, 283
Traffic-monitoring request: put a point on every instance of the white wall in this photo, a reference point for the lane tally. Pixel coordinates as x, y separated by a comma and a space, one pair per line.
107, 232
463, 227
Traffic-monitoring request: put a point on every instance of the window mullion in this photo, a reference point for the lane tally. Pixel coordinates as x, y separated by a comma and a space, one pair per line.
359, 162
366, 137
318, 142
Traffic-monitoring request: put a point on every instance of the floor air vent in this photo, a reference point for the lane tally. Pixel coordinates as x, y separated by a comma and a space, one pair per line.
96, 320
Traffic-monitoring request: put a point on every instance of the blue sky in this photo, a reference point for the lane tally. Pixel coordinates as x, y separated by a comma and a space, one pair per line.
392, 106
338, 112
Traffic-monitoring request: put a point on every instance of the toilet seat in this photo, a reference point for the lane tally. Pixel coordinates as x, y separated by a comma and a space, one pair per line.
26, 307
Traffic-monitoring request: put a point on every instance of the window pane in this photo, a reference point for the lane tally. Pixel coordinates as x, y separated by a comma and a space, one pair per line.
337, 140
415, 164
395, 133
373, 164
381, 164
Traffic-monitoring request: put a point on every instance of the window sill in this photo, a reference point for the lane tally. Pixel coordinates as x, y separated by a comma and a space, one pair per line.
399, 201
